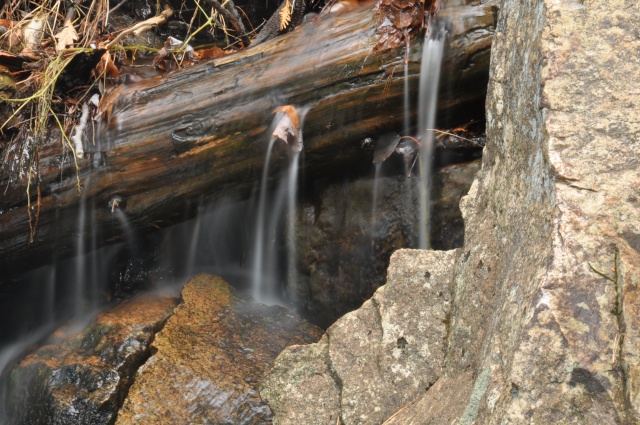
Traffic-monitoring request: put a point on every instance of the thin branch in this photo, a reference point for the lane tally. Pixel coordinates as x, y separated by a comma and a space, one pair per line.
142, 26
229, 16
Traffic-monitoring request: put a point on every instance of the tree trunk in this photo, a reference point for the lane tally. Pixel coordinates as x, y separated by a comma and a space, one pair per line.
163, 144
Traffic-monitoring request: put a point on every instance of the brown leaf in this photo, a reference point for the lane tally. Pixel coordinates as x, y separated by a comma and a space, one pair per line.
287, 127
291, 112
212, 53
107, 66
385, 146
66, 37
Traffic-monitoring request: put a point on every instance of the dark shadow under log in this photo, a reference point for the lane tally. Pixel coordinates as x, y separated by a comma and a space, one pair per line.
164, 144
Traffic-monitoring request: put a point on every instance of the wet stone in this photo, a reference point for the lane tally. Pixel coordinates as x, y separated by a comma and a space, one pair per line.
83, 378
210, 358
344, 243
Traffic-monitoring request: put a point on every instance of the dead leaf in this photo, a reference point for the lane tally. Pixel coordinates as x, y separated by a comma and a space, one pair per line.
66, 37
285, 14
385, 146
287, 127
106, 66
214, 52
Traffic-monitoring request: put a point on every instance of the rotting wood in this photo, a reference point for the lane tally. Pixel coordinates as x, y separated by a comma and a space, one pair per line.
164, 144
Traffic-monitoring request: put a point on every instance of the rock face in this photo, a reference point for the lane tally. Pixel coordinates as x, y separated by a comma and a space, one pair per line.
373, 360
544, 320
83, 379
209, 358
344, 243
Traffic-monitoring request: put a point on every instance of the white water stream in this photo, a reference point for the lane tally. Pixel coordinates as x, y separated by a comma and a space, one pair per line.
432, 52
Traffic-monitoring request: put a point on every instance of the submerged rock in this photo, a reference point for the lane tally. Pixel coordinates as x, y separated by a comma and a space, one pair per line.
84, 378
210, 357
375, 360
344, 242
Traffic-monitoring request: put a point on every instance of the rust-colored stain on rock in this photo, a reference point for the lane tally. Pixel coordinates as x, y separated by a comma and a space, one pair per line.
209, 358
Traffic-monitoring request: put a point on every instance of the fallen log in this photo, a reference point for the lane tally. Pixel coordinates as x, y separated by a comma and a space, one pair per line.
164, 144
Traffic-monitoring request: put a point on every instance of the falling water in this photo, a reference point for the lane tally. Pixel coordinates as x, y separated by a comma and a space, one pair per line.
268, 286
80, 260
406, 111
432, 52
291, 219
193, 244
129, 235
376, 183
259, 245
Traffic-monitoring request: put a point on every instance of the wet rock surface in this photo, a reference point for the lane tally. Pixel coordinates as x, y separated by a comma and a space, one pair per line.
210, 357
374, 360
544, 319
344, 243
84, 378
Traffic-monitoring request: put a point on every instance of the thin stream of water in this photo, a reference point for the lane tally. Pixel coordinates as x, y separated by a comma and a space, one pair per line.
291, 219
376, 183
193, 244
432, 52
406, 107
258, 245
80, 264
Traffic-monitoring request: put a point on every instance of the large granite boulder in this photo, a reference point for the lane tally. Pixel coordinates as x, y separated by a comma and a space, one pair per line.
83, 378
544, 323
376, 359
209, 358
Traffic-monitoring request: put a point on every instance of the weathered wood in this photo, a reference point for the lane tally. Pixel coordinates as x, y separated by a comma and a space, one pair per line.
164, 144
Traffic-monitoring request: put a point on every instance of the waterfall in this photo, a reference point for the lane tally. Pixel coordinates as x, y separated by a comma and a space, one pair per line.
80, 258
292, 188
432, 52
266, 280
267, 275
257, 268
406, 108
193, 244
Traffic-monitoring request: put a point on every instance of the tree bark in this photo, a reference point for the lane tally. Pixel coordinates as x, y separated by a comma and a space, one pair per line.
164, 144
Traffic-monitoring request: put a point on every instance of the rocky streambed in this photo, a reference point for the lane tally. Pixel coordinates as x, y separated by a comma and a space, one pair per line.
197, 359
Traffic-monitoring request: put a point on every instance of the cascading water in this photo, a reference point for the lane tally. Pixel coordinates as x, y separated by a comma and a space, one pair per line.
266, 282
193, 244
432, 52
266, 279
257, 268
80, 260
292, 189
376, 184
406, 109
